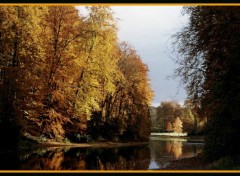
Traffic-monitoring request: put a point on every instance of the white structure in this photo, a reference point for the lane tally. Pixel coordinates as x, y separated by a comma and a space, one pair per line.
168, 134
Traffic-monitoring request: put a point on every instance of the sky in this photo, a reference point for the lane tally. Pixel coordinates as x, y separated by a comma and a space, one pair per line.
149, 29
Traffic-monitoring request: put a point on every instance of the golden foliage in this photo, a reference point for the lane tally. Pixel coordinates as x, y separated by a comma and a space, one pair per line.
177, 125
57, 68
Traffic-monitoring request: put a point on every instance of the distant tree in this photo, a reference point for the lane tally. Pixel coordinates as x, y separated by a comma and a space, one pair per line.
169, 126
168, 111
177, 125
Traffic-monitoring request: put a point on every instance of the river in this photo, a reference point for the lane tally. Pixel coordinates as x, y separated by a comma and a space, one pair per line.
158, 154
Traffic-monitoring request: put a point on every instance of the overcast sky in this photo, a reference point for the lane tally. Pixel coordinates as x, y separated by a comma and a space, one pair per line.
149, 29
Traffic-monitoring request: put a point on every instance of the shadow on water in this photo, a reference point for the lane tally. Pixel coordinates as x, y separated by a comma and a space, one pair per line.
9, 159
87, 159
156, 155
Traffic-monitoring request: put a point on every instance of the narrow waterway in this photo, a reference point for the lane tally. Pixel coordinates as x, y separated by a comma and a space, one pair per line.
156, 155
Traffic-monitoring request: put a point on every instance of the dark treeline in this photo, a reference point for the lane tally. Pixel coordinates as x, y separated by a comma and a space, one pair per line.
64, 75
209, 65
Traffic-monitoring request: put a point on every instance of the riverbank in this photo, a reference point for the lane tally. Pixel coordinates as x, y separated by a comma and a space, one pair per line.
29, 141
94, 145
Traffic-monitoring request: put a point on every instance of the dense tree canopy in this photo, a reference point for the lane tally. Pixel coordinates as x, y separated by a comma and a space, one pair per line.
209, 67
169, 111
61, 74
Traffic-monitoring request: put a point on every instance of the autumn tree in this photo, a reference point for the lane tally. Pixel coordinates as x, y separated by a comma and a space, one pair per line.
20, 64
97, 77
136, 94
61, 26
63, 74
169, 127
208, 65
100, 72
177, 125
168, 111
127, 108
192, 121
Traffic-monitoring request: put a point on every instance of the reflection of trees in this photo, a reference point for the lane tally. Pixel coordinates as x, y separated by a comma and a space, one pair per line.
46, 161
56, 161
81, 164
122, 158
177, 149
128, 158
164, 151
187, 150
134, 159
73, 162
168, 146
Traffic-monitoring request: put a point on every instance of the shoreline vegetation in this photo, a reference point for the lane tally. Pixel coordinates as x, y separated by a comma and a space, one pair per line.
31, 141
49, 143
38, 141
35, 142
93, 144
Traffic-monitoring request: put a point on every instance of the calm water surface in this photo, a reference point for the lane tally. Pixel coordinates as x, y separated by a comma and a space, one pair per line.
156, 155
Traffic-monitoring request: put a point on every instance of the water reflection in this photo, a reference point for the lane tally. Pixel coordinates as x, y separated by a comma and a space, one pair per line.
174, 148
130, 158
164, 150
156, 155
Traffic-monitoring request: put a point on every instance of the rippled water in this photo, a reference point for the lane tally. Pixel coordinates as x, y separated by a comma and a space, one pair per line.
156, 155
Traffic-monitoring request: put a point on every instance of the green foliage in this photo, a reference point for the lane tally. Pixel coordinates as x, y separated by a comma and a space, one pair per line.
168, 112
